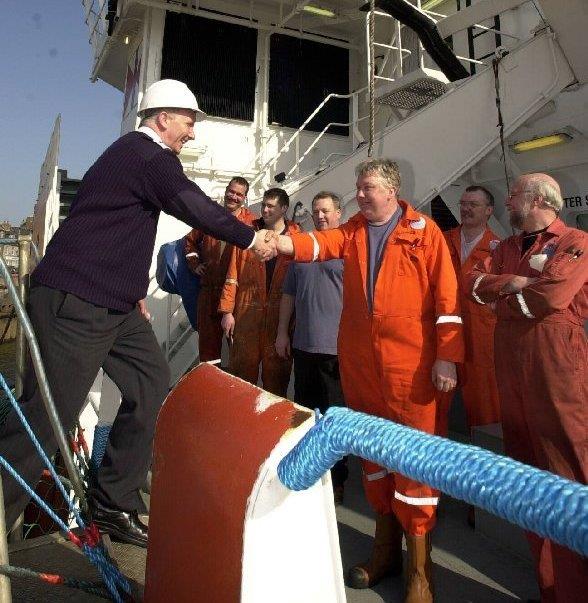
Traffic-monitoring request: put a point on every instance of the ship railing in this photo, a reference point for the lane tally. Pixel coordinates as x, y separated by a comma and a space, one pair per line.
174, 337
26, 339
392, 67
395, 44
356, 137
95, 18
25, 334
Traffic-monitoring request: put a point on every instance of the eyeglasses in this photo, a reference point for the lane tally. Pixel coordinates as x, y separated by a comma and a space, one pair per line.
472, 204
515, 193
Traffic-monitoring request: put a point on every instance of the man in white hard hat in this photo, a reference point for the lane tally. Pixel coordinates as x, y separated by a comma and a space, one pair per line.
85, 304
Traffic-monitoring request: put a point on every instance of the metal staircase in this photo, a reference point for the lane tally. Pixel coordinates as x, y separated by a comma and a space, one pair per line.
438, 143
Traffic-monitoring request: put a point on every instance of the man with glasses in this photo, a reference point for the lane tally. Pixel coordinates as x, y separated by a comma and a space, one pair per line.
537, 281
469, 244
209, 258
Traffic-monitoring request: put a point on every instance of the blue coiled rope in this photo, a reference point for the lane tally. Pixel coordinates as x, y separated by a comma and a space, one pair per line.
536, 500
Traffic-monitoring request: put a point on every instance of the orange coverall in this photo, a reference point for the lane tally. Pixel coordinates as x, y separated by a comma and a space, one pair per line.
386, 356
200, 249
476, 374
256, 313
541, 369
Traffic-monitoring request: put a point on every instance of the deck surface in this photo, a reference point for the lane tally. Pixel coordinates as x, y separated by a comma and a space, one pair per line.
468, 566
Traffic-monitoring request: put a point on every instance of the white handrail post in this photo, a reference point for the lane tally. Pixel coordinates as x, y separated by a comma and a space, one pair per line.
168, 331
297, 155
421, 50
354, 118
399, 45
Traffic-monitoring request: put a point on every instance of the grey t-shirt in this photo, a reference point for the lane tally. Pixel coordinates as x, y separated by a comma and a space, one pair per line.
377, 237
318, 292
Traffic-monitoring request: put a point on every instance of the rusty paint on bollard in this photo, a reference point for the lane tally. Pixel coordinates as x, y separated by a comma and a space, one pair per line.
213, 434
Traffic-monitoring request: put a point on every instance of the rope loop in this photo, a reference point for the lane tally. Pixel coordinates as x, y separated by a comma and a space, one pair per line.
498, 484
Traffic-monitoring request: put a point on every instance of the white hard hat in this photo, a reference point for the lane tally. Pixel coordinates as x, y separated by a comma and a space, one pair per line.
170, 94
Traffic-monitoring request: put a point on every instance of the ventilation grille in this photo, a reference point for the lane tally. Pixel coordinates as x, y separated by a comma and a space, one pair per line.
413, 91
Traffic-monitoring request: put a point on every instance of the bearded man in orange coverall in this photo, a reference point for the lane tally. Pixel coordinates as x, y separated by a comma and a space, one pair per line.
399, 339
469, 244
250, 303
209, 258
538, 283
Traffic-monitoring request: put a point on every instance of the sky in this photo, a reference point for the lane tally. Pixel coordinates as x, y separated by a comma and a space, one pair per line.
44, 70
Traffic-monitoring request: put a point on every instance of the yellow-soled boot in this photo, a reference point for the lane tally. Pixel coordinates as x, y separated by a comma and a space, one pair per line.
386, 557
419, 574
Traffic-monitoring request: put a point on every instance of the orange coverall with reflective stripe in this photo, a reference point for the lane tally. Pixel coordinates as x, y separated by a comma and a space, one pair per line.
386, 356
200, 249
476, 374
541, 351
256, 313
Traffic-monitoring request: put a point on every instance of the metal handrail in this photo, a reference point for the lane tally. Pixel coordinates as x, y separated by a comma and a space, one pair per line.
475, 25
318, 137
44, 387
286, 147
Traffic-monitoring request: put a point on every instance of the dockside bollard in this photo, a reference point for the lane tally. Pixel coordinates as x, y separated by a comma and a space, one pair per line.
222, 527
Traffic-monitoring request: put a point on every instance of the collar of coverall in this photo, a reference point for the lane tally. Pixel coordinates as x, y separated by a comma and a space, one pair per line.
290, 228
410, 226
455, 235
556, 228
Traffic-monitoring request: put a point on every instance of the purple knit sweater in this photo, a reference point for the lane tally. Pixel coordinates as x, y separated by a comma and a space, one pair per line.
102, 252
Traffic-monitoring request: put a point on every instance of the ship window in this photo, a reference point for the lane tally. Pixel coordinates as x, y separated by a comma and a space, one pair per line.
302, 74
442, 214
215, 59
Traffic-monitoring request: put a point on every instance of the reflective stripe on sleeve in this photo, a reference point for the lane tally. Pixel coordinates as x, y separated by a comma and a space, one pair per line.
192, 254
232, 281
524, 308
315, 247
372, 477
447, 318
417, 501
474, 294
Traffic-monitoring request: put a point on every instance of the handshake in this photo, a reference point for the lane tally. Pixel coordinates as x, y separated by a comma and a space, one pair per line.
268, 244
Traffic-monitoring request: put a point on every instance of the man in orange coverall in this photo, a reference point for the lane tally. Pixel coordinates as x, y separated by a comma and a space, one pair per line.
250, 303
469, 244
209, 258
538, 282
399, 339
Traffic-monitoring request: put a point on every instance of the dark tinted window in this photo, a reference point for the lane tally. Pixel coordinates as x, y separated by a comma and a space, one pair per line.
215, 59
302, 74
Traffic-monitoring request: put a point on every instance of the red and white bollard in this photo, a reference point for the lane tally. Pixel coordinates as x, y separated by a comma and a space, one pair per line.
222, 527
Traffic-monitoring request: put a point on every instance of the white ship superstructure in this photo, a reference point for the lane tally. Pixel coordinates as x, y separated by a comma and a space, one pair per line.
289, 93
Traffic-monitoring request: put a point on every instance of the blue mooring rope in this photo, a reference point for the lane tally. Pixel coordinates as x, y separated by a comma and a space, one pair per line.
536, 500
114, 580
101, 435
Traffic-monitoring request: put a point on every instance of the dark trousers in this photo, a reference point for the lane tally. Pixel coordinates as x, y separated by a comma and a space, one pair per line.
317, 384
76, 338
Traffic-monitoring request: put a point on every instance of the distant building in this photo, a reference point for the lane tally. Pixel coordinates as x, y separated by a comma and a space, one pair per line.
67, 188
10, 254
26, 227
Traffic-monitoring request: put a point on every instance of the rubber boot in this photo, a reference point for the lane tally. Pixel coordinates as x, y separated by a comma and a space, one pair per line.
386, 557
419, 575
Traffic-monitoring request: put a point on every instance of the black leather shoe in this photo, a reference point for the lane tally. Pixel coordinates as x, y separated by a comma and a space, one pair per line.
122, 526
